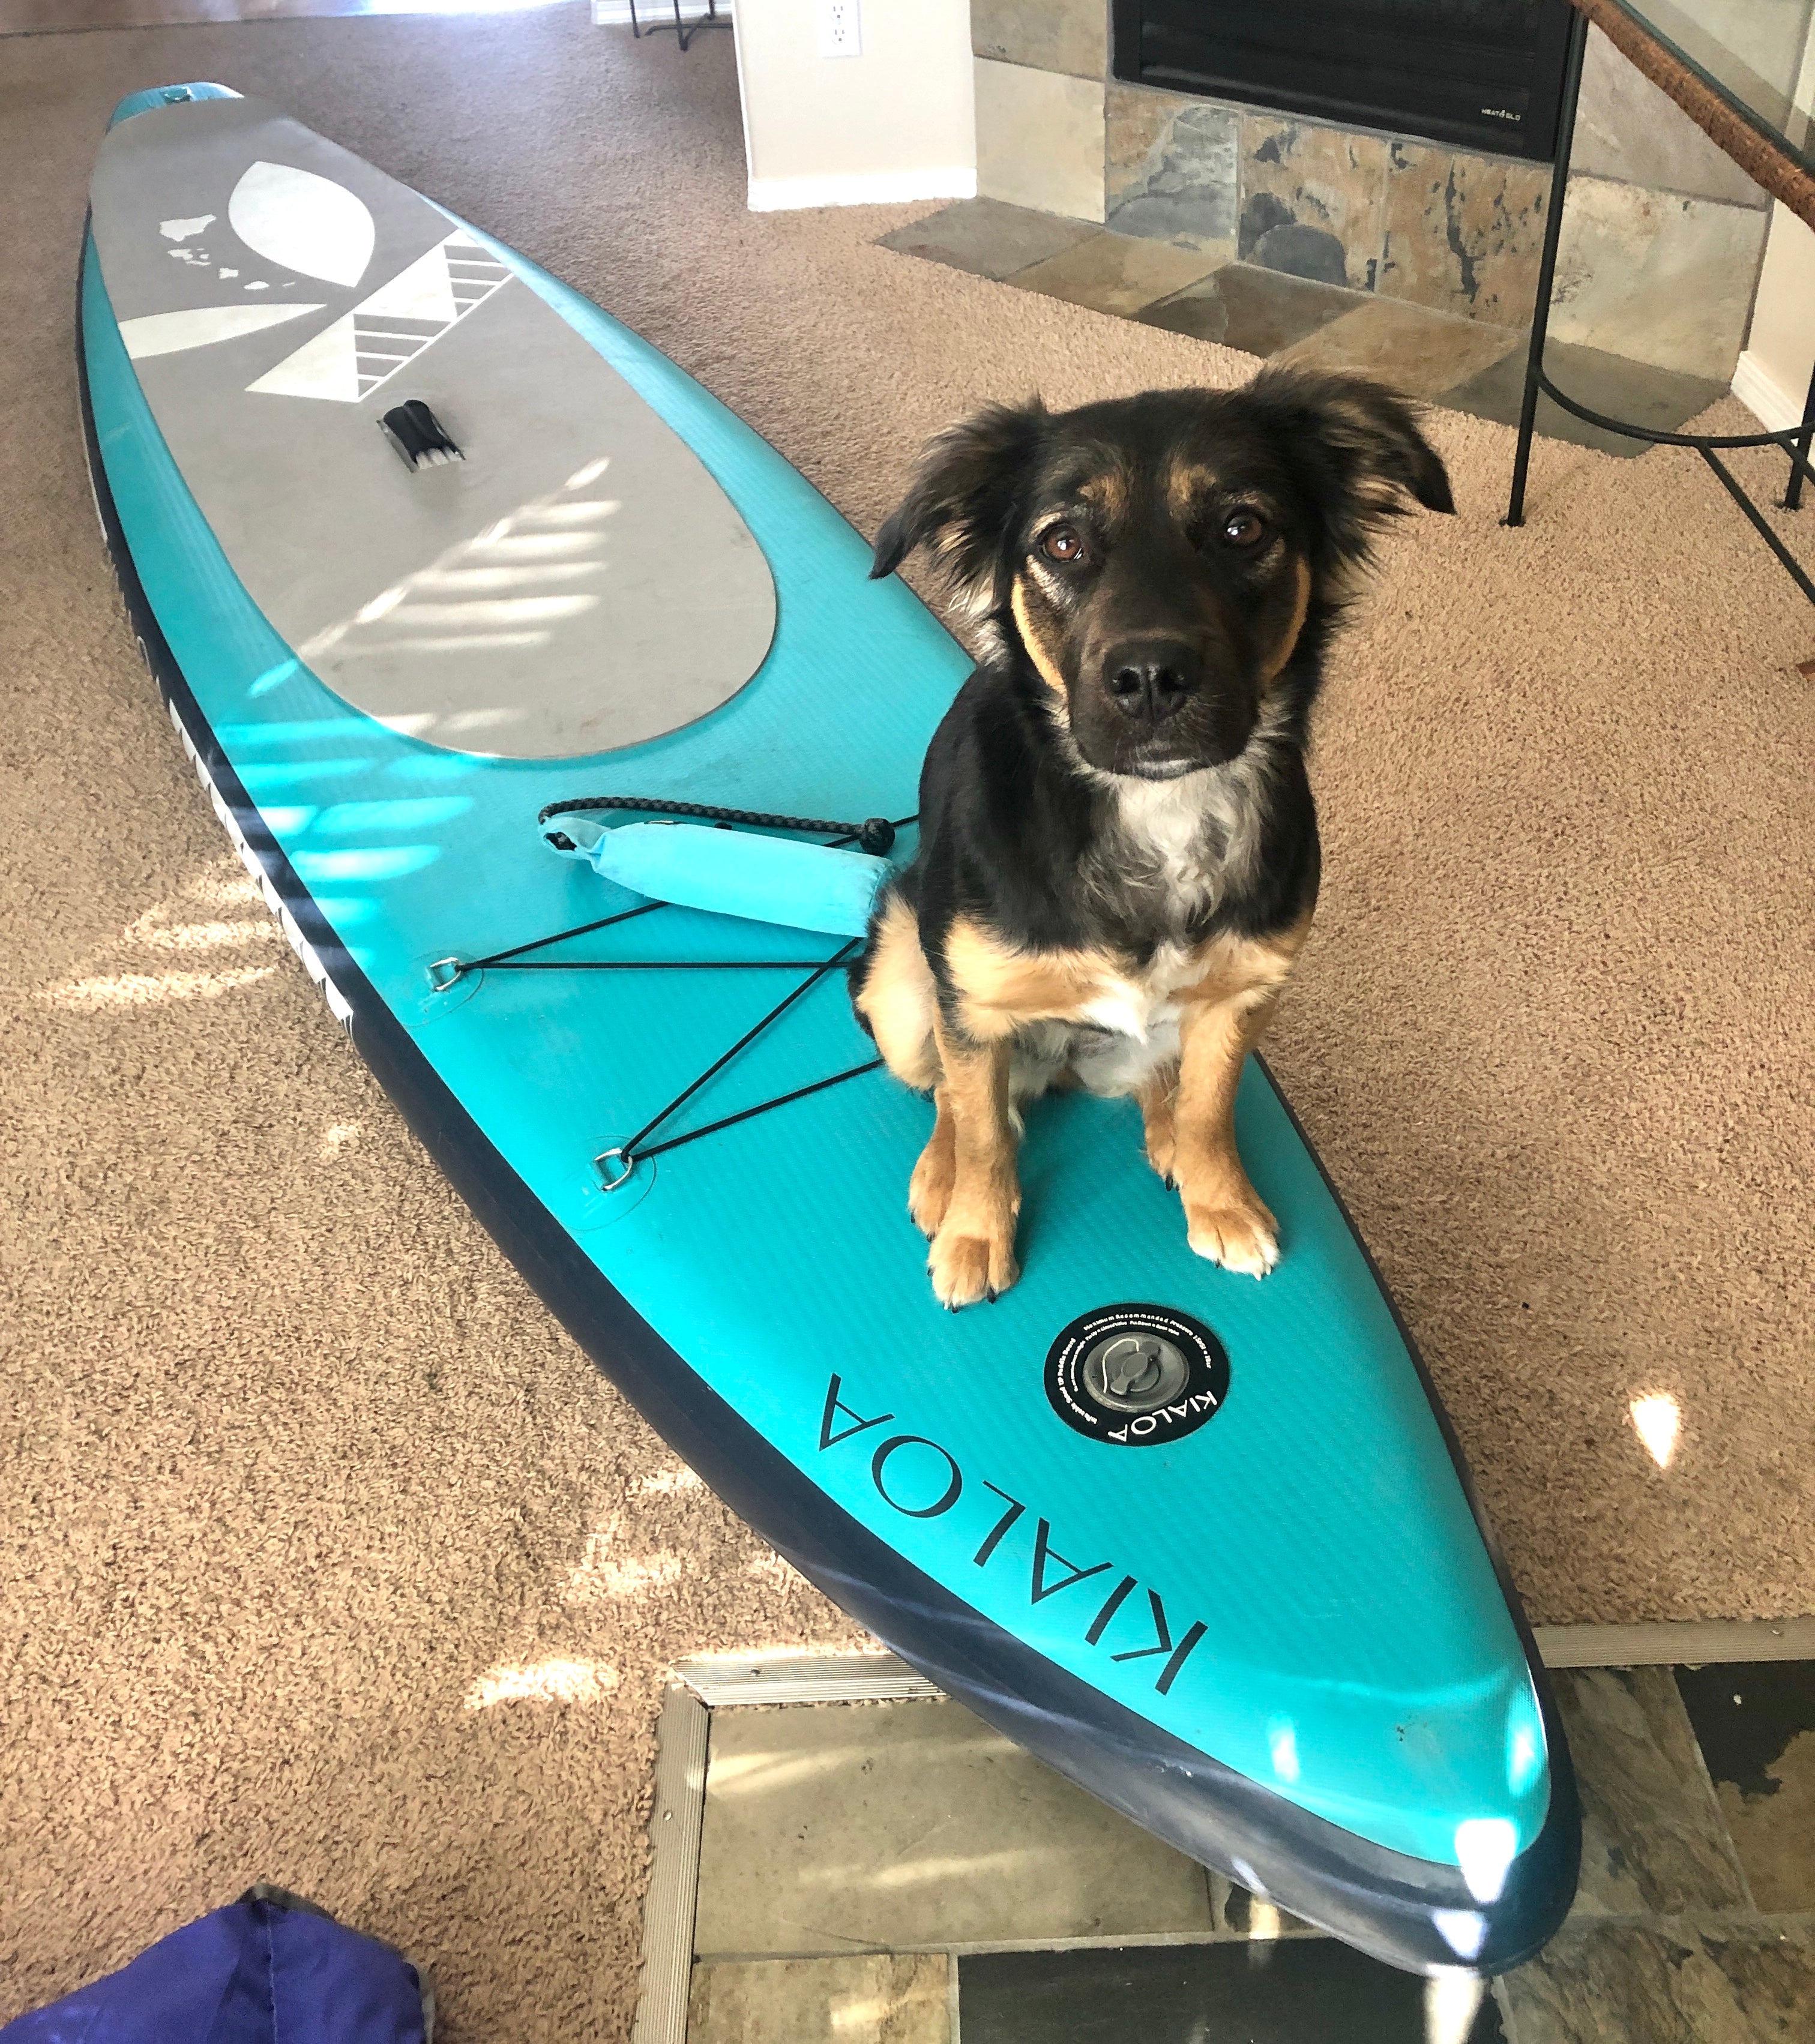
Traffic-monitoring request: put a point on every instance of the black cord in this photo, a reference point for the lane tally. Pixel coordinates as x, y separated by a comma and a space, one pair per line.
540, 943
627, 1155
762, 1107
875, 834
657, 965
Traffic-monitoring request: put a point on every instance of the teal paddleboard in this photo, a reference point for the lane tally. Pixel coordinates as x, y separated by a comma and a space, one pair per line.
1260, 1613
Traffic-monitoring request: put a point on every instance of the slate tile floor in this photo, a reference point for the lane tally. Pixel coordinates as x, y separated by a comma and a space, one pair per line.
1468, 365
896, 1873
1756, 1729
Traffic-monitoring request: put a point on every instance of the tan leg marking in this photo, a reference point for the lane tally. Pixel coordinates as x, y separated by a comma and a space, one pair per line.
966, 1195
1159, 1099
929, 1189
1225, 1218
898, 1000
972, 1255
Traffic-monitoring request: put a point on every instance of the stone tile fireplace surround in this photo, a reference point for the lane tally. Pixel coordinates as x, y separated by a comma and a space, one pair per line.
1662, 234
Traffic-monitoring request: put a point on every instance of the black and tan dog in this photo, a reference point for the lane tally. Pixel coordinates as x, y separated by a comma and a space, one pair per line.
1118, 857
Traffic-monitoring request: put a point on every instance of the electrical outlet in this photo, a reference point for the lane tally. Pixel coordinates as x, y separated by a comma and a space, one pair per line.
840, 28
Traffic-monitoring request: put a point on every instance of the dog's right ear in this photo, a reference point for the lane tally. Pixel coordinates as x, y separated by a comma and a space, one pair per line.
961, 499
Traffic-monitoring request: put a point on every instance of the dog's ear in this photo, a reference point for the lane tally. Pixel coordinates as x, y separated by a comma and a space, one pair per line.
962, 499
1362, 444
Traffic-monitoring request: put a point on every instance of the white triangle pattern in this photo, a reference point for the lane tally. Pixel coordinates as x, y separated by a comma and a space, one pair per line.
422, 292
327, 366
368, 346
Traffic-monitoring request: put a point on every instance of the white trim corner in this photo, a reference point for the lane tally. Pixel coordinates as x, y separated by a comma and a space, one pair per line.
860, 188
1775, 408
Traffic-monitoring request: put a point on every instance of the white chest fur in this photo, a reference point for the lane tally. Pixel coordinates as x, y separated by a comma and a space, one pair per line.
1188, 841
1138, 1005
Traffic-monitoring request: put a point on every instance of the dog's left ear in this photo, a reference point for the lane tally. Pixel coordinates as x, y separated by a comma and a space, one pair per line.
1362, 444
961, 499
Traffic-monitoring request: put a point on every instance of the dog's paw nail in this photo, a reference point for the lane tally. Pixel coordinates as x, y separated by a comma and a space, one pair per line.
1238, 1239
968, 1269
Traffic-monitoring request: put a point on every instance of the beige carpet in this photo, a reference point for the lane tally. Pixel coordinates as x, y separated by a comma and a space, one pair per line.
327, 1559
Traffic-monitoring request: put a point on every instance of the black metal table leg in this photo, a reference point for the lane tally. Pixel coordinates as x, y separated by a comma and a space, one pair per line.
1547, 266
1799, 453
1731, 485
1797, 442
684, 31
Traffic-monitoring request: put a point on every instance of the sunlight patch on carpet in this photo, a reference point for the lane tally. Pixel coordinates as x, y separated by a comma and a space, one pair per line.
542, 1682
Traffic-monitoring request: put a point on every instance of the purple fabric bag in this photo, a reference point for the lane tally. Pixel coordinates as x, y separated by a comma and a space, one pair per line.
270, 1968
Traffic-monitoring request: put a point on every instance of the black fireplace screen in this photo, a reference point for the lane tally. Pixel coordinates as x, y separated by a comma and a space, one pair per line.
1485, 73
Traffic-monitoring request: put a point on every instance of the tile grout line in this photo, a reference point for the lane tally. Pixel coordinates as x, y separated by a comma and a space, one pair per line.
994, 1947
1710, 1920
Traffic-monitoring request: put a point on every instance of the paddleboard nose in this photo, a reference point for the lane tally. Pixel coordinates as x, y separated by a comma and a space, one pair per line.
168, 95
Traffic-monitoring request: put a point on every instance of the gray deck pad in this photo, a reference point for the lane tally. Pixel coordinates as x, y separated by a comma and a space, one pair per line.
578, 583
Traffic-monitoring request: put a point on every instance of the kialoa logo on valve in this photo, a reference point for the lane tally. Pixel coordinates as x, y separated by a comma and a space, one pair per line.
1136, 1376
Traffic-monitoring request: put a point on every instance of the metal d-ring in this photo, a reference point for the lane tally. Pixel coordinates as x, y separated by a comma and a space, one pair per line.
607, 1183
454, 967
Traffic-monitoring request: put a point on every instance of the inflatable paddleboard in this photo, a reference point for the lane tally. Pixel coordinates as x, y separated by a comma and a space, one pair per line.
420, 545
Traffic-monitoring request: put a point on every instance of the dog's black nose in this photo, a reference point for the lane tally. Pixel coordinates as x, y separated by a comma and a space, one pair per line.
1151, 682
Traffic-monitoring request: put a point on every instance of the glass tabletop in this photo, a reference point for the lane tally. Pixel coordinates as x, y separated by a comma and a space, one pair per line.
1756, 55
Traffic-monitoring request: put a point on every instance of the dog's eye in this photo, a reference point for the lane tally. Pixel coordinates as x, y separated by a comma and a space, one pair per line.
1244, 527
1064, 543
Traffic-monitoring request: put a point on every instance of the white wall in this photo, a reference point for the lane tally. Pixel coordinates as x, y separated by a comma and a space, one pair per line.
897, 123
1772, 375
1773, 372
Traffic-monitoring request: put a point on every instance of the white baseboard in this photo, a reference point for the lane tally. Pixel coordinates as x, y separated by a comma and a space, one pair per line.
615, 13
1764, 396
865, 188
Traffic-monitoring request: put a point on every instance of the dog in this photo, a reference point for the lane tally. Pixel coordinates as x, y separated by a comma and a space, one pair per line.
1118, 858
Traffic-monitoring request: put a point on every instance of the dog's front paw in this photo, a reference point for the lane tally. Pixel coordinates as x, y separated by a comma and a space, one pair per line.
1159, 1147
1239, 1233
966, 1266
929, 1189
1159, 1126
